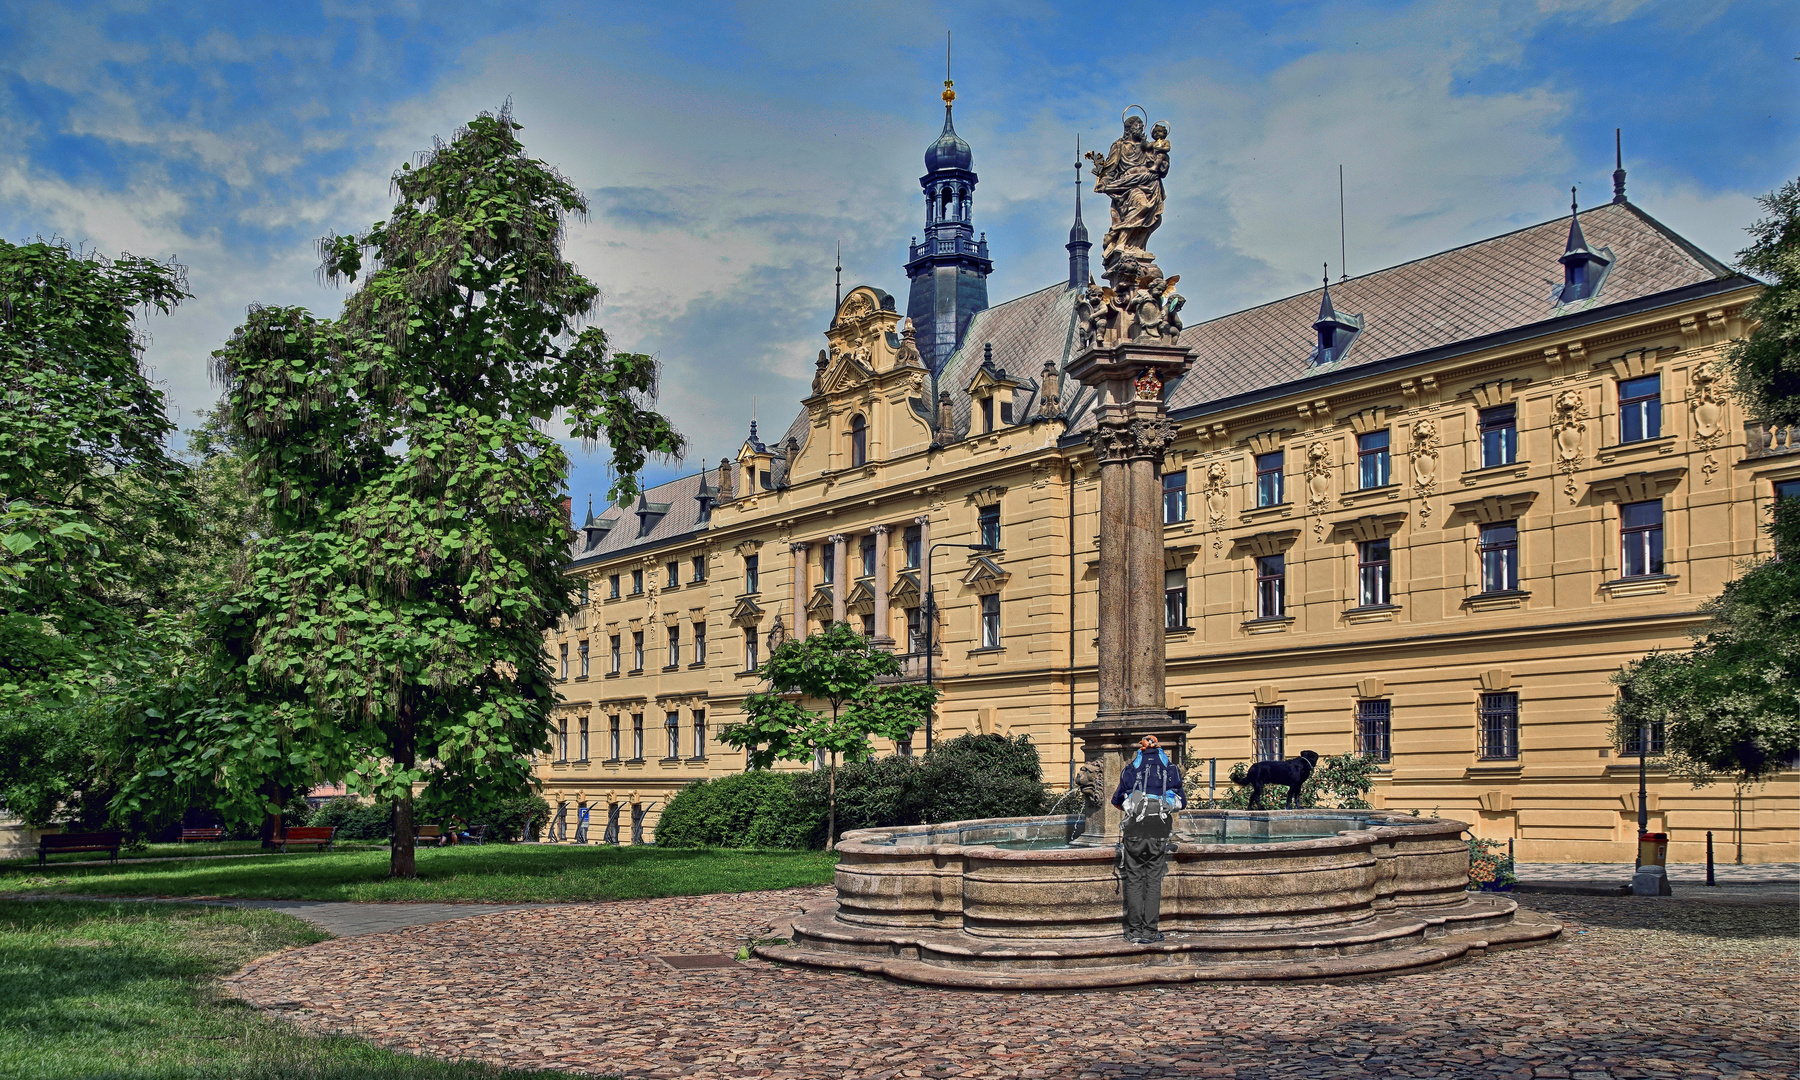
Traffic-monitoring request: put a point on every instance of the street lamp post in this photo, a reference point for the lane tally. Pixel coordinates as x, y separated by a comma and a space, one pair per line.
1643, 791
928, 613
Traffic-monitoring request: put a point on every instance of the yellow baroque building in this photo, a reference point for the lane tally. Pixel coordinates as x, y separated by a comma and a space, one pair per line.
1422, 514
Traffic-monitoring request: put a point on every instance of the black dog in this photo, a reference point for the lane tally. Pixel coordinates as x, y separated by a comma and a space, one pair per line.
1292, 772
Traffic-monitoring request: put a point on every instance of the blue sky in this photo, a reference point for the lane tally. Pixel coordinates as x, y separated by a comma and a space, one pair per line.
726, 149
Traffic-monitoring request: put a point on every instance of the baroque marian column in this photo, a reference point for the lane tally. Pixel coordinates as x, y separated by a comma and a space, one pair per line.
1130, 347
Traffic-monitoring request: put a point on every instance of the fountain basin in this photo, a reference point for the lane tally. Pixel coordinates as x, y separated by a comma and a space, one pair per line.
1004, 899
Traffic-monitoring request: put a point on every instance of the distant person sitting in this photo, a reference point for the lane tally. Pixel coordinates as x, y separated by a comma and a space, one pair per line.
1150, 792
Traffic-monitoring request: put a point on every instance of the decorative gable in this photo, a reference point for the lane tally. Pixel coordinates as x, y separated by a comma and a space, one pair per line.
746, 613
820, 606
905, 592
861, 600
985, 577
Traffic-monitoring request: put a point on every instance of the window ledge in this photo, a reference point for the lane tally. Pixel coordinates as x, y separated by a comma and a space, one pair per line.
990, 650
1662, 444
1372, 613
1182, 631
701, 760
1497, 601
610, 761
635, 671
611, 675
1178, 528
696, 665
580, 761
1385, 491
696, 581
1643, 585
671, 667
581, 678
1267, 625
746, 595
1654, 765
1516, 470
634, 761
669, 761
1264, 513
746, 672
636, 592
1501, 768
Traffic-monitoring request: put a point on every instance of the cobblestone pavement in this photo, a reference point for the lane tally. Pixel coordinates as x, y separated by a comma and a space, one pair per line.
1637, 987
1605, 875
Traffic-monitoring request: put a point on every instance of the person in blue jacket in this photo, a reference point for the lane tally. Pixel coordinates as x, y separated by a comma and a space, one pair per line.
1150, 792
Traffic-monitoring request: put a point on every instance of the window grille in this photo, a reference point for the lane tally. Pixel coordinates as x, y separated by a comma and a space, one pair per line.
1499, 719
1271, 732
1634, 744
1374, 728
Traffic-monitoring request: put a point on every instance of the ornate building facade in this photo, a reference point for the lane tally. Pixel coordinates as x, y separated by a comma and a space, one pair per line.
1421, 515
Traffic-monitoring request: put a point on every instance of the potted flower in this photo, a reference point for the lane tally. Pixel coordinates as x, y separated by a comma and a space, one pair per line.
1490, 868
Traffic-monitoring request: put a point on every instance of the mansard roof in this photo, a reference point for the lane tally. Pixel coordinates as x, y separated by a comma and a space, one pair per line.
681, 520
1022, 332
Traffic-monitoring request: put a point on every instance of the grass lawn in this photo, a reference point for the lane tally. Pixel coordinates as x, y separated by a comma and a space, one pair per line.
174, 851
130, 991
512, 873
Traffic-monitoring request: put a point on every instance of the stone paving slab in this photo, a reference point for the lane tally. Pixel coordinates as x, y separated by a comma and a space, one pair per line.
1609, 878
353, 919
1637, 987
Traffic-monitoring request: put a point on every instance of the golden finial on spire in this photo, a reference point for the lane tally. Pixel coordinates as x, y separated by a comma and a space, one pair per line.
949, 87
949, 94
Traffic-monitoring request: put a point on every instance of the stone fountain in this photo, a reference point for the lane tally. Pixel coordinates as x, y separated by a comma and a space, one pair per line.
1035, 903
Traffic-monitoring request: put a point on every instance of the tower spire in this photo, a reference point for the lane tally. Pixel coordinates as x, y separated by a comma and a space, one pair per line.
839, 294
1078, 244
948, 268
1618, 167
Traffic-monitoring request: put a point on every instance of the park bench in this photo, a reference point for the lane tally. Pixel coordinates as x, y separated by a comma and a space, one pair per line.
79, 841
318, 835
476, 834
423, 834
189, 836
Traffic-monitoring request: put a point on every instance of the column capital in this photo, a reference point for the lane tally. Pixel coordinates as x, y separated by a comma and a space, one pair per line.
835, 538
922, 519
880, 530
1120, 440
798, 546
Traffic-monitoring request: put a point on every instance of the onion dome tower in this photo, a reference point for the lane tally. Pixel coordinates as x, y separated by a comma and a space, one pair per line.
950, 267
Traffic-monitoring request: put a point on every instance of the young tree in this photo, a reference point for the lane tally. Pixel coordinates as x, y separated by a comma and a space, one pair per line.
391, 629
1765, 367
1730, 704
83, 467
837, 666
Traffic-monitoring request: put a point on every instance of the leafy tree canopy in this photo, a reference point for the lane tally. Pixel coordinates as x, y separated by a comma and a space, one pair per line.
1765, 367
839, 667
83, 469
1731, 704
390, 629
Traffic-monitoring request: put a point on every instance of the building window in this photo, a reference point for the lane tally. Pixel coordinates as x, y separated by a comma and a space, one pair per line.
1499, 719
563, 664
1641, 536
828, 564
915, 630
612, 723
1640, 409
1006, 412
1374, 564
699, 643
637, 650
584, 592
1499, 547
990, 525
613, 583
1271, 586
1174, 497
867, 550
990, 621
1175, 599
584, 738
674, 646
1499, 436
637, 736
750, 659
868, 625
562, 739
987, 414
637, 582
1271, 732
752, 573
1787, 489
674, 570
700, 733
1634, 744
614, 646
1268, 479
910, 544
699, 570
672, 728
1373, 463
583, 650
859, 441
1374, 726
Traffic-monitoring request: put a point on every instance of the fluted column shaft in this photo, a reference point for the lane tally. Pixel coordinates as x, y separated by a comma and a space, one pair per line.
923, 521
840, 569
799, 553
883, 637
1115, 591
1146, 658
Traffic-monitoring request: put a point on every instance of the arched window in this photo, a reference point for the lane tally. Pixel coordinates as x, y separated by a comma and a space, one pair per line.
859, 441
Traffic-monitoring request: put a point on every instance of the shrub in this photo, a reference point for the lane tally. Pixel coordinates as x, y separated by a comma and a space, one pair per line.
355, 820
980, 776
873, 792
759, 809
513, 817
1341, 782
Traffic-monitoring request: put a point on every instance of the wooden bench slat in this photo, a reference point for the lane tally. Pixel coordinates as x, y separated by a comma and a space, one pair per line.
95, 841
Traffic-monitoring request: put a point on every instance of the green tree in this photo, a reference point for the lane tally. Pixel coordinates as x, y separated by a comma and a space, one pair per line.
83, 465
1730, 704
1765, 367
839, 667
390, 631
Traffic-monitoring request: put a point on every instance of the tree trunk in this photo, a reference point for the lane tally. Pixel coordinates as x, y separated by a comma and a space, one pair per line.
400, 861
270, 833
831, 804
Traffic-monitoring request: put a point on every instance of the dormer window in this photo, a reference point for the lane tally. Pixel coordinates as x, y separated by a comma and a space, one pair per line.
859, 442
1584, 268
987, 414
1336, 331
